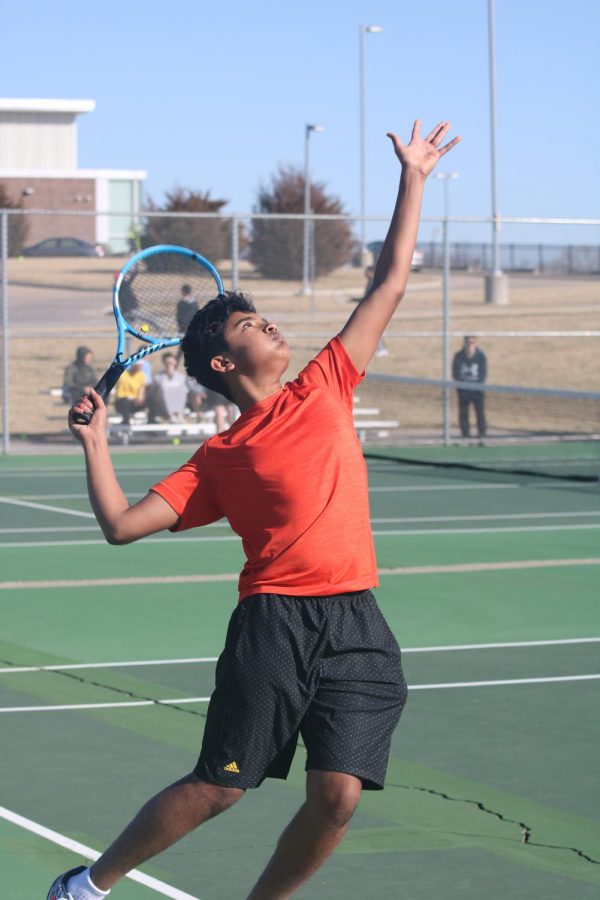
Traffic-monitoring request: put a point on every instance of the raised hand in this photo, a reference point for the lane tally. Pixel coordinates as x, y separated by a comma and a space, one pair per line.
422, 154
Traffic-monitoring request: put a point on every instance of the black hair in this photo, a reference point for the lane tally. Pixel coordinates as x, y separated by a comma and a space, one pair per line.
205, 338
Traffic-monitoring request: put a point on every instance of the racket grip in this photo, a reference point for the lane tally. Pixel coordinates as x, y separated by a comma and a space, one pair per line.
104, 387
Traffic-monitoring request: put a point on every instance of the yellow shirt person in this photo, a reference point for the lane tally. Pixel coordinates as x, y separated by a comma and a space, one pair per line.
130, 393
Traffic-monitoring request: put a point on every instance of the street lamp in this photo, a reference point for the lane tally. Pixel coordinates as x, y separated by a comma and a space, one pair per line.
362, 30
306, 261
446, 177
496, 284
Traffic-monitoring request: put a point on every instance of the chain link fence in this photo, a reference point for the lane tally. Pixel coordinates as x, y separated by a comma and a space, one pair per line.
307, 274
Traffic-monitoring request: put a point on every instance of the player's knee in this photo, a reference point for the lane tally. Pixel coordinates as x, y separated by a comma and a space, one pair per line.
223, 798
210, 799
335, 796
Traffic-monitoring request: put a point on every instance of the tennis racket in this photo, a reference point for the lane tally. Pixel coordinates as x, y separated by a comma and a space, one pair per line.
146, 294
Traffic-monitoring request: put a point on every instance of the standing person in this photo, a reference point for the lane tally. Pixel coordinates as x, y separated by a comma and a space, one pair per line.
78, 375
470, 367
187, 306
128, 301
307, 650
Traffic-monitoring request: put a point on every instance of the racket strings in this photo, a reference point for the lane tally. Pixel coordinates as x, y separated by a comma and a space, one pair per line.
159, 296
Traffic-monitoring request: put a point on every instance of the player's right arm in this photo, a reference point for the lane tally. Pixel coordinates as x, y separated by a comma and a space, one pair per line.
120, 521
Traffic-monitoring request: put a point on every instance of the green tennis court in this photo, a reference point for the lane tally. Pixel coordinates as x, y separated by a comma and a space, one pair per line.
490, 582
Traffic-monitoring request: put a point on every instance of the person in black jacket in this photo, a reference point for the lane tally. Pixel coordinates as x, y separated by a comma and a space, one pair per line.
470, 366
187, 305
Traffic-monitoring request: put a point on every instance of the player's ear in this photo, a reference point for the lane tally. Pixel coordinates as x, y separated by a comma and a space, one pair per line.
221, 364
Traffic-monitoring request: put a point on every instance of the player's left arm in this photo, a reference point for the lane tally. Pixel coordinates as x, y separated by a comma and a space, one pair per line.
366, 325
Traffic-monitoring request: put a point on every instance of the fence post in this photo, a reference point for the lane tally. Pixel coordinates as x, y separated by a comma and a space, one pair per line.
5, 382
446, 329
235, 253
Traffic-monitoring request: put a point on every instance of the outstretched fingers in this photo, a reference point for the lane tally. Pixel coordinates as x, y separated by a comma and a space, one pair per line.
437, 134
443, 150
398, 145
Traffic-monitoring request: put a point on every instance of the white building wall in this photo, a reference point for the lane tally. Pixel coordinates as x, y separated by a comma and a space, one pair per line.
34, 140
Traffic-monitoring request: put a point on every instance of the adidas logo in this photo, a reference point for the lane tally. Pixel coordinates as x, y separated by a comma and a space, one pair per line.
232, 767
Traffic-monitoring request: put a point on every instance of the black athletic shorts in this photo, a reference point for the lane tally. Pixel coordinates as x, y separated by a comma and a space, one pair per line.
325, 668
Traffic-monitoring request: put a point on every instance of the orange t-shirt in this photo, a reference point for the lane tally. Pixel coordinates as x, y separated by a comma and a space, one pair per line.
290, 478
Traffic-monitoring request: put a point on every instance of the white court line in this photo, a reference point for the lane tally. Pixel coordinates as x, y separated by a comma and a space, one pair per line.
82, 850
183, 661
119, 705
493, 517
463, 684
449, 569
50, 529
460, 486
405, 532
113, 665
68, 707
56, 509
375, 521
80, 472
518, 528
500, 645
5, 545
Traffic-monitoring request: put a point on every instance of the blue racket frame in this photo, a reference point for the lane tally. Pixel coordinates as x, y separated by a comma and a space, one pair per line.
119, 363
124, 327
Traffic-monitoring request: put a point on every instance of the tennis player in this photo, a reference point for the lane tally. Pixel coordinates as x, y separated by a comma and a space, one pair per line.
307, 650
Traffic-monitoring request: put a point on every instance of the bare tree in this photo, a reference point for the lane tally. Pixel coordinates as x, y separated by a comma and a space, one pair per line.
277, 245
209, 236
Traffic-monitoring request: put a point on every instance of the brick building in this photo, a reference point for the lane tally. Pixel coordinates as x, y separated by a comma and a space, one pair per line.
38, 166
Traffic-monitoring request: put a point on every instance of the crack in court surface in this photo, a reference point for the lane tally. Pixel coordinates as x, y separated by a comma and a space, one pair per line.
109, 687
526, 830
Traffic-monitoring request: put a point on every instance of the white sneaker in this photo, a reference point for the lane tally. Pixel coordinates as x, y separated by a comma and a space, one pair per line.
59, 891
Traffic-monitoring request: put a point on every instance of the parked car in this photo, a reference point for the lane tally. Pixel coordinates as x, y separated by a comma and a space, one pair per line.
64, 246
418, 257
418, 260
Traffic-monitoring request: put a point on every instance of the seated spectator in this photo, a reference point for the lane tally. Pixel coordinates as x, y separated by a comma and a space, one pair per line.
169, 392
225, 411
195, 395
78, 375
130, 392
200, 399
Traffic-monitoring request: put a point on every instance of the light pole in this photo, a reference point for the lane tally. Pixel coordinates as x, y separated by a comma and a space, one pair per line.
306, 288
362, 30
446, 177
496, 284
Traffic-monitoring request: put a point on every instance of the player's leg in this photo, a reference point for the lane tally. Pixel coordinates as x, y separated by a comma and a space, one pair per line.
165, 819
463, 414
347, 731
312, 835
480, 413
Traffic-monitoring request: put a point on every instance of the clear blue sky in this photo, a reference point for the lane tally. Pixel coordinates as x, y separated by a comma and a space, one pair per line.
215, 95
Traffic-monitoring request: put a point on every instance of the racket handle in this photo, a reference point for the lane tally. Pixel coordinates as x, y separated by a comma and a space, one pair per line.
104, 387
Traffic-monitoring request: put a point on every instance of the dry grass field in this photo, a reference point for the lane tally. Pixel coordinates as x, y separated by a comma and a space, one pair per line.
57, 304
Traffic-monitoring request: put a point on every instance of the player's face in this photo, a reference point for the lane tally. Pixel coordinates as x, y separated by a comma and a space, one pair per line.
255, 345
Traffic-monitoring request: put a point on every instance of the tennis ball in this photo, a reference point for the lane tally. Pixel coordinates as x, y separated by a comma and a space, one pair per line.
176, 441
144, 328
